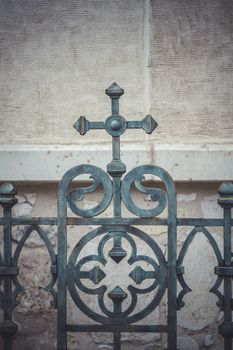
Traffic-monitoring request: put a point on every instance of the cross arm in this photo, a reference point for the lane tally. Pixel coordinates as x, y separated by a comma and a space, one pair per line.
82, 125
148, 124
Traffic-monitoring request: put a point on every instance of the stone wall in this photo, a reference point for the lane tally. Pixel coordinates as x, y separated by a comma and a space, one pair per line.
174, 60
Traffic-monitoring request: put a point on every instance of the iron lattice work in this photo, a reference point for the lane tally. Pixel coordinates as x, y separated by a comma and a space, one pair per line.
117, 308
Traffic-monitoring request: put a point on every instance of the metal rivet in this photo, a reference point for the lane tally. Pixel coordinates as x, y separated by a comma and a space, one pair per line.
116, 124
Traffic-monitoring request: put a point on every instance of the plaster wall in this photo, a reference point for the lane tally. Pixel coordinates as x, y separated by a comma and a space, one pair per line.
174, 60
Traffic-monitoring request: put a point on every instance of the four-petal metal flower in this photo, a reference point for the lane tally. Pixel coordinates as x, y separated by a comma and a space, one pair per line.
97, 274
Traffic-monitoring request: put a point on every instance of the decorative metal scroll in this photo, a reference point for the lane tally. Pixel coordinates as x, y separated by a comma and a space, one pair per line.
146, 270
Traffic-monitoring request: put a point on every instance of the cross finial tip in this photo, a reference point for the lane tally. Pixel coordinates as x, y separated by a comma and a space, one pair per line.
149, 124
82, 125
114, 90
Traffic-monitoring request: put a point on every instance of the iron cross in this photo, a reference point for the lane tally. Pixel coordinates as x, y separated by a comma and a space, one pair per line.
115, 125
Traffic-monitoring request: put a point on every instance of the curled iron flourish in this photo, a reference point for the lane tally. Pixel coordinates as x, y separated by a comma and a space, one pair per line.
135, 177
100, 178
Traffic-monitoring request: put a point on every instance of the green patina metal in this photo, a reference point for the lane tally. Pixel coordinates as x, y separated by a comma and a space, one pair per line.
163, 272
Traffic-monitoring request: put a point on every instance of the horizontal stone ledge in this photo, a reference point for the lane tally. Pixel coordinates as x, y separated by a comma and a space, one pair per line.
184, 162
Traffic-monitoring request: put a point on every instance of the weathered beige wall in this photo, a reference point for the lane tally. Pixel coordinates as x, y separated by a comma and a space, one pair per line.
192, 67
57, 59
173, 58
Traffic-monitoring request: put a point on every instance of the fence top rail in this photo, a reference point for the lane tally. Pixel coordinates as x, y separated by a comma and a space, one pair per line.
214, 222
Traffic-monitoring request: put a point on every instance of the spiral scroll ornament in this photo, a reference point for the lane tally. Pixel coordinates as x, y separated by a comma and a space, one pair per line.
135, 177
100, 179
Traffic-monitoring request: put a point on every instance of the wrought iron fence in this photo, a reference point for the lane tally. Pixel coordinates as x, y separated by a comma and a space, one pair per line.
164, 271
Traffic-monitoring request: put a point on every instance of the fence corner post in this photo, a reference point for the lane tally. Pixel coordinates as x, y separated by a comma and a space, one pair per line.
7, 327
226, 201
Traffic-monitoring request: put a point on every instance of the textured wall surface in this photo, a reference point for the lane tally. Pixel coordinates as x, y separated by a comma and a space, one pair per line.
173, 58
192, 67
57, 57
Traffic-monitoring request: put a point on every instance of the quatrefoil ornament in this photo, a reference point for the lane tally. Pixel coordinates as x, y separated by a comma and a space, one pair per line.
123, 301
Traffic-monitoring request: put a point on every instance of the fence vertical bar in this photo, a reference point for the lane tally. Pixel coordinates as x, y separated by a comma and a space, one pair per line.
7, 328
117, 340
62, 262
172, 264
226, 202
